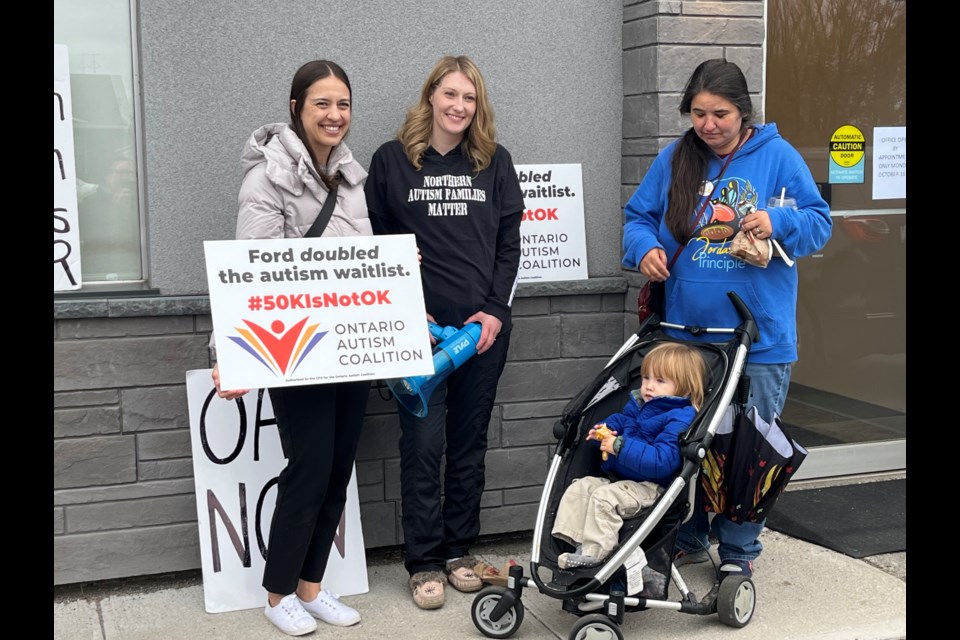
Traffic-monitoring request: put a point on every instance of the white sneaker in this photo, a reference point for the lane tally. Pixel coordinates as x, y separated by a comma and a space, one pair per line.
327, 607
290, 617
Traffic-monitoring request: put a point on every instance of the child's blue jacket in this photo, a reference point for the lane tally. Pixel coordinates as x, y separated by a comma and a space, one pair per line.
651, 438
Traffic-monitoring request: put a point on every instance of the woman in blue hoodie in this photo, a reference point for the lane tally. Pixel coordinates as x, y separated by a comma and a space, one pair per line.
660, 218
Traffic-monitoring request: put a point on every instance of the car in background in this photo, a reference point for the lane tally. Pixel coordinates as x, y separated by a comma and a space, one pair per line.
852, 295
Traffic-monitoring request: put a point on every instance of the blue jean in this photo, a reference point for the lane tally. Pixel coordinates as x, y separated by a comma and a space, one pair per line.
738, 541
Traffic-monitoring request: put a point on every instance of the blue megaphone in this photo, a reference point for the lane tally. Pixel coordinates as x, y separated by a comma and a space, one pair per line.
455, 347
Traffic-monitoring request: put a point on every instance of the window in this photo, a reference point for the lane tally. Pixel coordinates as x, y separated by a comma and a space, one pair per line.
834, 63
99, 41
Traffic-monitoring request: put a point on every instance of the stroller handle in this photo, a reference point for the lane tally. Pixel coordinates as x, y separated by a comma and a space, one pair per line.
748, 325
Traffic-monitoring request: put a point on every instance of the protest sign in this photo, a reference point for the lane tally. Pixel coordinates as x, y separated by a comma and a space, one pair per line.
553, 243
317, 310
237, 457
66, 236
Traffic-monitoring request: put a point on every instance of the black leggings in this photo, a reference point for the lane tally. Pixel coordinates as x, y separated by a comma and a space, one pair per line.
319, 430
456, 423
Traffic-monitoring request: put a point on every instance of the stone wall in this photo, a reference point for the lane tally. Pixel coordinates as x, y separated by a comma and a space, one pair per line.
123, 498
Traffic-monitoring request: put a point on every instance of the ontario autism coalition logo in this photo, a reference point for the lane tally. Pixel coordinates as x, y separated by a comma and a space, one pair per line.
278, 349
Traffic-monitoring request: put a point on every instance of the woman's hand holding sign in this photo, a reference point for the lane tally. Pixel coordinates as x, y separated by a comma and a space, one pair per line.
230, 394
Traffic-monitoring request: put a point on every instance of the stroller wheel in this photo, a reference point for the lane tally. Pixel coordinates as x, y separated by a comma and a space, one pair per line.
736, 601
595, 626
483, 605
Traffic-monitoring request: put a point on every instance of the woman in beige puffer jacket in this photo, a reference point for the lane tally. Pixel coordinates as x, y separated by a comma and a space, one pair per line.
289, 171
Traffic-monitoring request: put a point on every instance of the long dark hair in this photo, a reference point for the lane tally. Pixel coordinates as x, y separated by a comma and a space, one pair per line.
303, 79
689, 164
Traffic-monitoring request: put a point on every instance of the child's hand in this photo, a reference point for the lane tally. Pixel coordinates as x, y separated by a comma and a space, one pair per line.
606, 444
597, 431
602, 433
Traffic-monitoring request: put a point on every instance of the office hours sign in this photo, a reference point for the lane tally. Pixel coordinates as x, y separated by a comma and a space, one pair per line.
552, 238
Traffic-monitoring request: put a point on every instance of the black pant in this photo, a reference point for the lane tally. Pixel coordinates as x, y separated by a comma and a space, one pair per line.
319, 430
456, 423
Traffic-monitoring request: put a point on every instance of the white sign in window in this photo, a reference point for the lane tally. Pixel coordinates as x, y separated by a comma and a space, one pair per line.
66, 237
889, 163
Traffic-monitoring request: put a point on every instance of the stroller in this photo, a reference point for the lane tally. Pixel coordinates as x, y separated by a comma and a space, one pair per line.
600, 595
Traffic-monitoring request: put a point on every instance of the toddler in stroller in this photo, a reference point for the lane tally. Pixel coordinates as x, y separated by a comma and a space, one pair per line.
623, 578
644, 442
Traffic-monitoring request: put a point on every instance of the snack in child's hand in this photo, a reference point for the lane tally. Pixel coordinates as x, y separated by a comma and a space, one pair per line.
599, 433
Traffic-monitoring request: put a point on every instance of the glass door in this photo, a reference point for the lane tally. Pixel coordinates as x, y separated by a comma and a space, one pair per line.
836, 88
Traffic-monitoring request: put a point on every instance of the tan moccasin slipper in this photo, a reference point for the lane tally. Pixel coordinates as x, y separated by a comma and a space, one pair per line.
461, 575
427, 589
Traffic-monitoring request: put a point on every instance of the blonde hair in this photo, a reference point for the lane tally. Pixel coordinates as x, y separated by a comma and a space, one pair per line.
680, 363
479, 143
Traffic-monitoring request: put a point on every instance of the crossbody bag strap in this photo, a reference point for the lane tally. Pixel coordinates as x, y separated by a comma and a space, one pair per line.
703, 207
326, 211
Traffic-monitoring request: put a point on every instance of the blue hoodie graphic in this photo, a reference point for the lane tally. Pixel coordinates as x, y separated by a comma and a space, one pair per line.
696, 291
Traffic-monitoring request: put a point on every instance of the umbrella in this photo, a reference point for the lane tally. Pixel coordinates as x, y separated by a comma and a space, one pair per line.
748, 466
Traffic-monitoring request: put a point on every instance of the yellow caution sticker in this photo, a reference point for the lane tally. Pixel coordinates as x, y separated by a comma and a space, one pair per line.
847, 146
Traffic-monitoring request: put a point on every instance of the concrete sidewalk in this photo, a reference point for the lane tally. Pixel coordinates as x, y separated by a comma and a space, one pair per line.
803, 592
